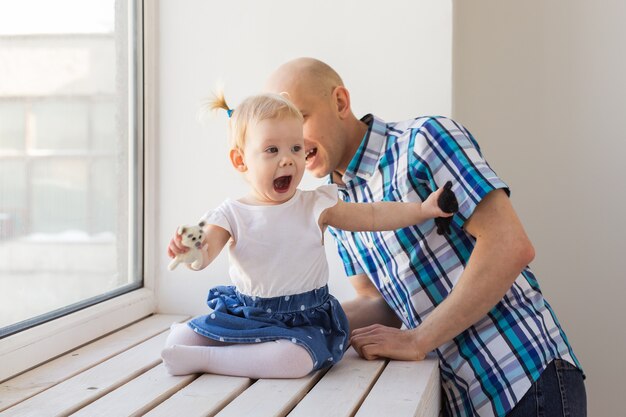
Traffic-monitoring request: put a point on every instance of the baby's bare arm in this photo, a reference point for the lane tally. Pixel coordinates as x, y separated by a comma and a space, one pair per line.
384, 215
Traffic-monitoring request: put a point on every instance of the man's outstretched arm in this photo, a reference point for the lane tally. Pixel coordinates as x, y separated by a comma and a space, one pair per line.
502, 250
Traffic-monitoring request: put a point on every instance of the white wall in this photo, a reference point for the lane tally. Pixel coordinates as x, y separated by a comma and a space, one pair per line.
395, 60
542, 86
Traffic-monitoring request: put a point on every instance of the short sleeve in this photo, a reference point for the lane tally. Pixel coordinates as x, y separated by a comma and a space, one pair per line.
325, 196
443, 150
219, 217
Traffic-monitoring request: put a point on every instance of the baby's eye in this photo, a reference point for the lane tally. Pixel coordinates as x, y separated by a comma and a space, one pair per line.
271, 149
297, 148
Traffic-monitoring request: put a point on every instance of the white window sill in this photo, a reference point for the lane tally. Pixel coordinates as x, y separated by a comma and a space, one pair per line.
122, 375
31, 347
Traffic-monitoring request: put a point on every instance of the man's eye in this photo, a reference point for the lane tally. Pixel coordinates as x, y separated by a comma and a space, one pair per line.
272, 149
297, 148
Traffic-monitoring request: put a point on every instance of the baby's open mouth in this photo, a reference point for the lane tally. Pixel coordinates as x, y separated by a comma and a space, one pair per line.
281, 184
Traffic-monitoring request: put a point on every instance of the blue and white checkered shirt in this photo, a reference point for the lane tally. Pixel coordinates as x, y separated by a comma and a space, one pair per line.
488, 368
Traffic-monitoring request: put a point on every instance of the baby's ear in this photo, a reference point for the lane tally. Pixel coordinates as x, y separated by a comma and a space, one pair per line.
182, 230
236, 158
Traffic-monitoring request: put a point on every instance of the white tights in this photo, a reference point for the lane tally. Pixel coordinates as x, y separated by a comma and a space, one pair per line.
187, 352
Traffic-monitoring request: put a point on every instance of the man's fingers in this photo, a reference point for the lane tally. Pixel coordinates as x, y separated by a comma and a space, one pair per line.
364, 330
380, 341
367, 335
365, 339
358, 345
370, 352
367, 347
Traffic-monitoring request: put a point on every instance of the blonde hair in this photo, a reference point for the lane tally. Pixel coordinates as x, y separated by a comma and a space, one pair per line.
253, 110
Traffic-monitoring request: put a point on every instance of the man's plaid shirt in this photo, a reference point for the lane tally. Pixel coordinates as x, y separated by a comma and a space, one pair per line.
486, 369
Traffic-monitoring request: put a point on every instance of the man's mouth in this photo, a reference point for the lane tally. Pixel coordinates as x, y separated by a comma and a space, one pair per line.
281, 184
310, 154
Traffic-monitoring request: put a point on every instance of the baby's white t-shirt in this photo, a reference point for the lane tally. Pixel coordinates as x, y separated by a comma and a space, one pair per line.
276, 250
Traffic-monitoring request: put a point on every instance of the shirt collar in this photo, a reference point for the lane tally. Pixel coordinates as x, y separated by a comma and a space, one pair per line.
365, 160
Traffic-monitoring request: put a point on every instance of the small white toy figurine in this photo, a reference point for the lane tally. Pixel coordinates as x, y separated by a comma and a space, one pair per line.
191, 236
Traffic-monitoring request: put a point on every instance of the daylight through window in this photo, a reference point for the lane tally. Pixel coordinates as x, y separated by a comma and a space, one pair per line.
69, 176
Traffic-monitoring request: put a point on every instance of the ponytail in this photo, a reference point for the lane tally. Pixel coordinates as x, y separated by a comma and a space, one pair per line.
219, 102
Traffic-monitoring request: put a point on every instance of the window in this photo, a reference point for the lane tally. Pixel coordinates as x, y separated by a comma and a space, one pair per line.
70, 166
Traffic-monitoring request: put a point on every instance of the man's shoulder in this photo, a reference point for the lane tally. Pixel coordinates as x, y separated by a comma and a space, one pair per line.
424, 131
404, 134
408, 125
380, 127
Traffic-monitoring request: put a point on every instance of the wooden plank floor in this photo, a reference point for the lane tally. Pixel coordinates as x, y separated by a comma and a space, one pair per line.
122, 375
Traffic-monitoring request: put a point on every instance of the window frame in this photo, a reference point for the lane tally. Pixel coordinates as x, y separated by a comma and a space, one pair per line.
32, 346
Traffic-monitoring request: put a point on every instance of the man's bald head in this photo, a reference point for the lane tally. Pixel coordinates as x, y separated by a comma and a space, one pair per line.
304, 74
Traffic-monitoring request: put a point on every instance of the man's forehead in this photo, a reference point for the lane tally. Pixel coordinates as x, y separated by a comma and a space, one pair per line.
304, 94
299, 95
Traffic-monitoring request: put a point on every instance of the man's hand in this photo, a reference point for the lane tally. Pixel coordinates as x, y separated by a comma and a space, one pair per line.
378, 341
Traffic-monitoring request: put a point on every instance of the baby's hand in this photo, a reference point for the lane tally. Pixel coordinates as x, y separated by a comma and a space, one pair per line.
176, 246
188, 246
447, 200
434, 205
448, 203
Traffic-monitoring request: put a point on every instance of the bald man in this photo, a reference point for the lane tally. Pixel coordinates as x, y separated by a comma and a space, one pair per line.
470, 295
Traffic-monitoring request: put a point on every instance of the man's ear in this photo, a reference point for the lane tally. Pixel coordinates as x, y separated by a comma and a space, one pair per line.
236, 158
342, 99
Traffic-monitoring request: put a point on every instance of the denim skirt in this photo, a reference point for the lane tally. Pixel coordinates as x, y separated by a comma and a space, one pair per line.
313, 320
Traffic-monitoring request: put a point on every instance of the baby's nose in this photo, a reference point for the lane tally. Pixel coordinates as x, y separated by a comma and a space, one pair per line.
286, 161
